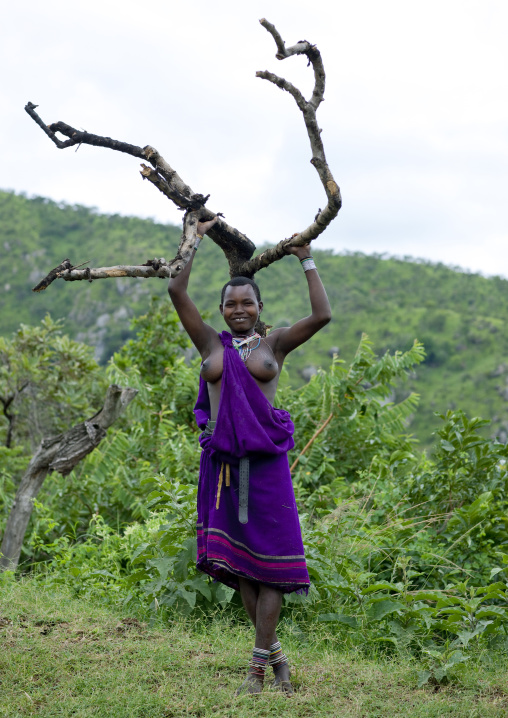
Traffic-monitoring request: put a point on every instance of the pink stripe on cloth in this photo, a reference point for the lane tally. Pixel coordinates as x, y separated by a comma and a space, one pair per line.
245, 573
259, 562
270, 568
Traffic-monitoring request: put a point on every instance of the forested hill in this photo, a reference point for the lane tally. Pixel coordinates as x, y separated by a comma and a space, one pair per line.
460, 317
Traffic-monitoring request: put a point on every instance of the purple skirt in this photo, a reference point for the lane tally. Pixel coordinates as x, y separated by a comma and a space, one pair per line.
268, 548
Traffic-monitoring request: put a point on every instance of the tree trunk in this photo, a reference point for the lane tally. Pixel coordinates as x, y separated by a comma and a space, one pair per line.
60, 453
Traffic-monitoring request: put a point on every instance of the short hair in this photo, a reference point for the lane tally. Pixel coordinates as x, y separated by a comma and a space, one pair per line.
239, 282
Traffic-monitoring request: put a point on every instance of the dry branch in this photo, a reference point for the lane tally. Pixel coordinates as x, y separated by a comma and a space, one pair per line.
60, 453
237, 247
310, 442
308, 109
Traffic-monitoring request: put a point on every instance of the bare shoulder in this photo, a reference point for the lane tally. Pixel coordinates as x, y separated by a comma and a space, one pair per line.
274, 337
213, 343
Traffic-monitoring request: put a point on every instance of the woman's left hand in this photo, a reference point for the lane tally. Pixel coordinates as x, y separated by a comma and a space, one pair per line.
299, 252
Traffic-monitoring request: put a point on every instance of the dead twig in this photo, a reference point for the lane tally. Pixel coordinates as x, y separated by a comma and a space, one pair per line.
310, 442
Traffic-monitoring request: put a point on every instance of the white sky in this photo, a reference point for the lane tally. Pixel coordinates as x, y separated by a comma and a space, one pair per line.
415, 121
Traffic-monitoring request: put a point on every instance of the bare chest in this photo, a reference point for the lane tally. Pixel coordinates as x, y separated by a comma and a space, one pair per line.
260, 362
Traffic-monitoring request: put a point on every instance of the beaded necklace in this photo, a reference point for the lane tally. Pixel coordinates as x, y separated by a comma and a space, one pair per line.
242, 345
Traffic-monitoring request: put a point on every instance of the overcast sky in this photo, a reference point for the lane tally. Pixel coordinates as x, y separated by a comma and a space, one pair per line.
415, 120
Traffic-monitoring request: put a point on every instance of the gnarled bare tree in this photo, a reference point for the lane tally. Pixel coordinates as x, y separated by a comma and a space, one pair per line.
237, 247
57, 453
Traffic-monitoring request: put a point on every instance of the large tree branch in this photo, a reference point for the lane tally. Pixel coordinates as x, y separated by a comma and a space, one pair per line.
236, 246
228, 238
60, 453
301, 48
308, 109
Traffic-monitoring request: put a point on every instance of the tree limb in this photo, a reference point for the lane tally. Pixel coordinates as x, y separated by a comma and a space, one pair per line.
230, 240
308, 109
60, 453
237, 247
6, 402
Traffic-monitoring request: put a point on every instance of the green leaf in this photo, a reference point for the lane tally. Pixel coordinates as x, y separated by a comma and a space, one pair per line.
426, 596
466, 636
434, 653
383, 586
440, 674
456, 657
423, 678
485, 611
495, 571
186, 556
380, 609
139, 550
223, 593
163, 566
189, 596
455, 611
199, 583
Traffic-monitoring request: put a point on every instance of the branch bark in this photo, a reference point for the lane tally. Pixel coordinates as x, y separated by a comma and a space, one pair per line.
6, 402
60, 453
308, 109
237, 247
229, 239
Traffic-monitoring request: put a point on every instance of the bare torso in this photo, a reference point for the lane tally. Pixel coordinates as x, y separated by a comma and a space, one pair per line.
263, 365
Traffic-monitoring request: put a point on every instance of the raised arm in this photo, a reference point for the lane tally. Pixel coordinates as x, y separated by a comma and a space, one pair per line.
201, 334
288, 338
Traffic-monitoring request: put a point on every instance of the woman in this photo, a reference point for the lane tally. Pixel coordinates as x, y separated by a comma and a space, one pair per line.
248, 531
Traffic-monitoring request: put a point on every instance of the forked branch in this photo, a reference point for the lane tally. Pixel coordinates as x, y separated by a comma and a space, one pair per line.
308, 109
237, 247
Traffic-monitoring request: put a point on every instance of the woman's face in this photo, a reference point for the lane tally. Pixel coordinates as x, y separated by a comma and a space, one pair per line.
240, 309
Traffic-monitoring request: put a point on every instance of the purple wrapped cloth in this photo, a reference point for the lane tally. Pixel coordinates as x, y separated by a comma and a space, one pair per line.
268, 548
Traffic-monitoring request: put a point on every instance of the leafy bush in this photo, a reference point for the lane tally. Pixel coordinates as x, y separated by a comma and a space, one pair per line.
168, 554
47, 382
402, 548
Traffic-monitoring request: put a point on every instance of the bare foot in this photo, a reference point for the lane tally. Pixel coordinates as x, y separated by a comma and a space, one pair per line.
282, 686
282, 681
252, 684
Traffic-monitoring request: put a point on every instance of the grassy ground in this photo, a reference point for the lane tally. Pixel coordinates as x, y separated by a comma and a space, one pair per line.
65, 657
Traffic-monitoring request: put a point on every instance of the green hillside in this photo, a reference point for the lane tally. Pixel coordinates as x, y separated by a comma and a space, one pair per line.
459, 316
37, 234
